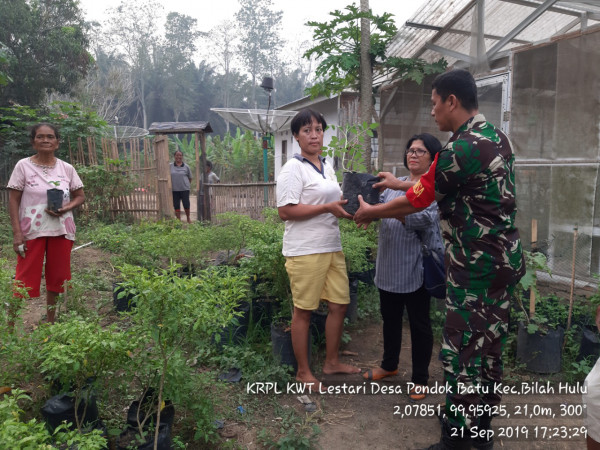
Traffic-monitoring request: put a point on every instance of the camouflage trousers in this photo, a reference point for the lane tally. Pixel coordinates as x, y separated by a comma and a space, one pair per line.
473, 339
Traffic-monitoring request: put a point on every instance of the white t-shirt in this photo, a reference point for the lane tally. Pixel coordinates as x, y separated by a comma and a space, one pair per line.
300, 182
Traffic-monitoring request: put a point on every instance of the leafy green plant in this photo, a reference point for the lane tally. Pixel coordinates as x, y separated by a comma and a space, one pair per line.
12, 296
359, 246
337, 43
255, 361
576, 371
295, 432
4, 59
173, 313
74, 122
102, 184
5, 230
534, 261
78, 352
15, 433
237, 159
348, 148
142, 244
266, 266
368, 301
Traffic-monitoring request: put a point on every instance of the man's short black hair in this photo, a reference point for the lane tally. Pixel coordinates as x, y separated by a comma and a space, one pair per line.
305, 117
209, 164
461, 84
431, 143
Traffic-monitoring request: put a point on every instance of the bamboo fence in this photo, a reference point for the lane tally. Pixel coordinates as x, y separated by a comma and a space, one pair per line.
248, 199
141, 168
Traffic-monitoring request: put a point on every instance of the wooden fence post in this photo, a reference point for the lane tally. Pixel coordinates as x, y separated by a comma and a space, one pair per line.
165, 198
204, 187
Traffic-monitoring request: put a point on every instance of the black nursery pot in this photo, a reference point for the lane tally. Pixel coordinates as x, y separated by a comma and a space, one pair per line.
237, 330
122, 300
167, 415
281, 340
590, 344
355, 184
61, 408
55, 199
541, 353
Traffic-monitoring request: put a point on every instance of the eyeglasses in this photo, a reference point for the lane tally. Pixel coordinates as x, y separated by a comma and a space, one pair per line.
416, 151
41, 137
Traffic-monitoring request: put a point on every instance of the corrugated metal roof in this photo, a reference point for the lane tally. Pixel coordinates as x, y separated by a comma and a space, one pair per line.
179, 127
450, 24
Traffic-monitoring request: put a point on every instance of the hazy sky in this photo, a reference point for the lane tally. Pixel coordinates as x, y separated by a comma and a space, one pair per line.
295, 12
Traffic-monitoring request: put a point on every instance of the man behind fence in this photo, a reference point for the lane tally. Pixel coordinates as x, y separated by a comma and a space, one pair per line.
472, 179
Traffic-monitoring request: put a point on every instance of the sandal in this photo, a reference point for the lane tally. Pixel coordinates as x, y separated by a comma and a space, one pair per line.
370, 375
418, 393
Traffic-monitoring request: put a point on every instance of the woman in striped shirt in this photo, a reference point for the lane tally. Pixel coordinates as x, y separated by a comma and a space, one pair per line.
399, 272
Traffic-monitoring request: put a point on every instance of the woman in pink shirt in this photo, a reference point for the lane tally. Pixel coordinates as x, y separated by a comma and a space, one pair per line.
37, 230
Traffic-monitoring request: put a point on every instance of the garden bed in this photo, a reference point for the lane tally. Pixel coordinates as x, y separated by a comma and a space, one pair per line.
238, 416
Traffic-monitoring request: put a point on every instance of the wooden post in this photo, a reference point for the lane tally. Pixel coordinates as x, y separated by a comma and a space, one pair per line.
165, 199
533, 249
204, 185
572, 284
198, 171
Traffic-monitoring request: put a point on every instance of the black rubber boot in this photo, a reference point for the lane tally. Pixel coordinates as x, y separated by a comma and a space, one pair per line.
453, 440
484, 443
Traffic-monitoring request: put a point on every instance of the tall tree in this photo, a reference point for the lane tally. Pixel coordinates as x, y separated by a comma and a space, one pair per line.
352, 52
260, 43
4, 77
223, 40
46, 48
179, 48
108, 89
289, 83
338, 49
132, 31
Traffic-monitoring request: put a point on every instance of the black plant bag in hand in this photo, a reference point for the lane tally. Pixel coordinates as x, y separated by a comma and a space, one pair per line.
434, 272
355, 184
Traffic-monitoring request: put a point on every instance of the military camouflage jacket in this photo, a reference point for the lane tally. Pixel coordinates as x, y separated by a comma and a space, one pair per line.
475, 191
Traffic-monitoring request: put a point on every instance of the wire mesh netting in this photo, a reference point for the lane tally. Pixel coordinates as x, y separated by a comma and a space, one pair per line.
125, 132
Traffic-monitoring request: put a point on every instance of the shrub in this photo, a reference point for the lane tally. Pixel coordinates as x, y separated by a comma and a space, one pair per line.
17, 434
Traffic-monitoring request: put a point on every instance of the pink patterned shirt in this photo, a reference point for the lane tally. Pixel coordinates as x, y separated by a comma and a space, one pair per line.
34, 180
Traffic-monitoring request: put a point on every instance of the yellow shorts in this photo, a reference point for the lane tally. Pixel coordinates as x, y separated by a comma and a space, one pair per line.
316, 277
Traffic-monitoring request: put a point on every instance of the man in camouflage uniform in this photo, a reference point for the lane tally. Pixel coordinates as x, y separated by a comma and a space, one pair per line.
473, 181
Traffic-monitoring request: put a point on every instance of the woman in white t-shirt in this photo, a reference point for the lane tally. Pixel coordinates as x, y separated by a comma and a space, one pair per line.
39, 231
309, 201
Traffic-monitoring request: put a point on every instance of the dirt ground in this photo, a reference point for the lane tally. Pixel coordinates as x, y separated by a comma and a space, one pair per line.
376, 421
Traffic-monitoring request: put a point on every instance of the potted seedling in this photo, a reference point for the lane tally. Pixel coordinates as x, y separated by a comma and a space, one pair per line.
539, 341
55, 196
347, 147
172, 314
76, 355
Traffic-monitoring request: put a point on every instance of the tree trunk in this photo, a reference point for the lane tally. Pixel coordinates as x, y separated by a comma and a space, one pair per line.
143, 102
366, 79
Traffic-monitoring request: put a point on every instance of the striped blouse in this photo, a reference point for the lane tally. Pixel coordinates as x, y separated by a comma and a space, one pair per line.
399, 265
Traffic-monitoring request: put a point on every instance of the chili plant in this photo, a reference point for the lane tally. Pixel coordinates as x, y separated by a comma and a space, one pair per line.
16, 433
77, 352
173, 313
